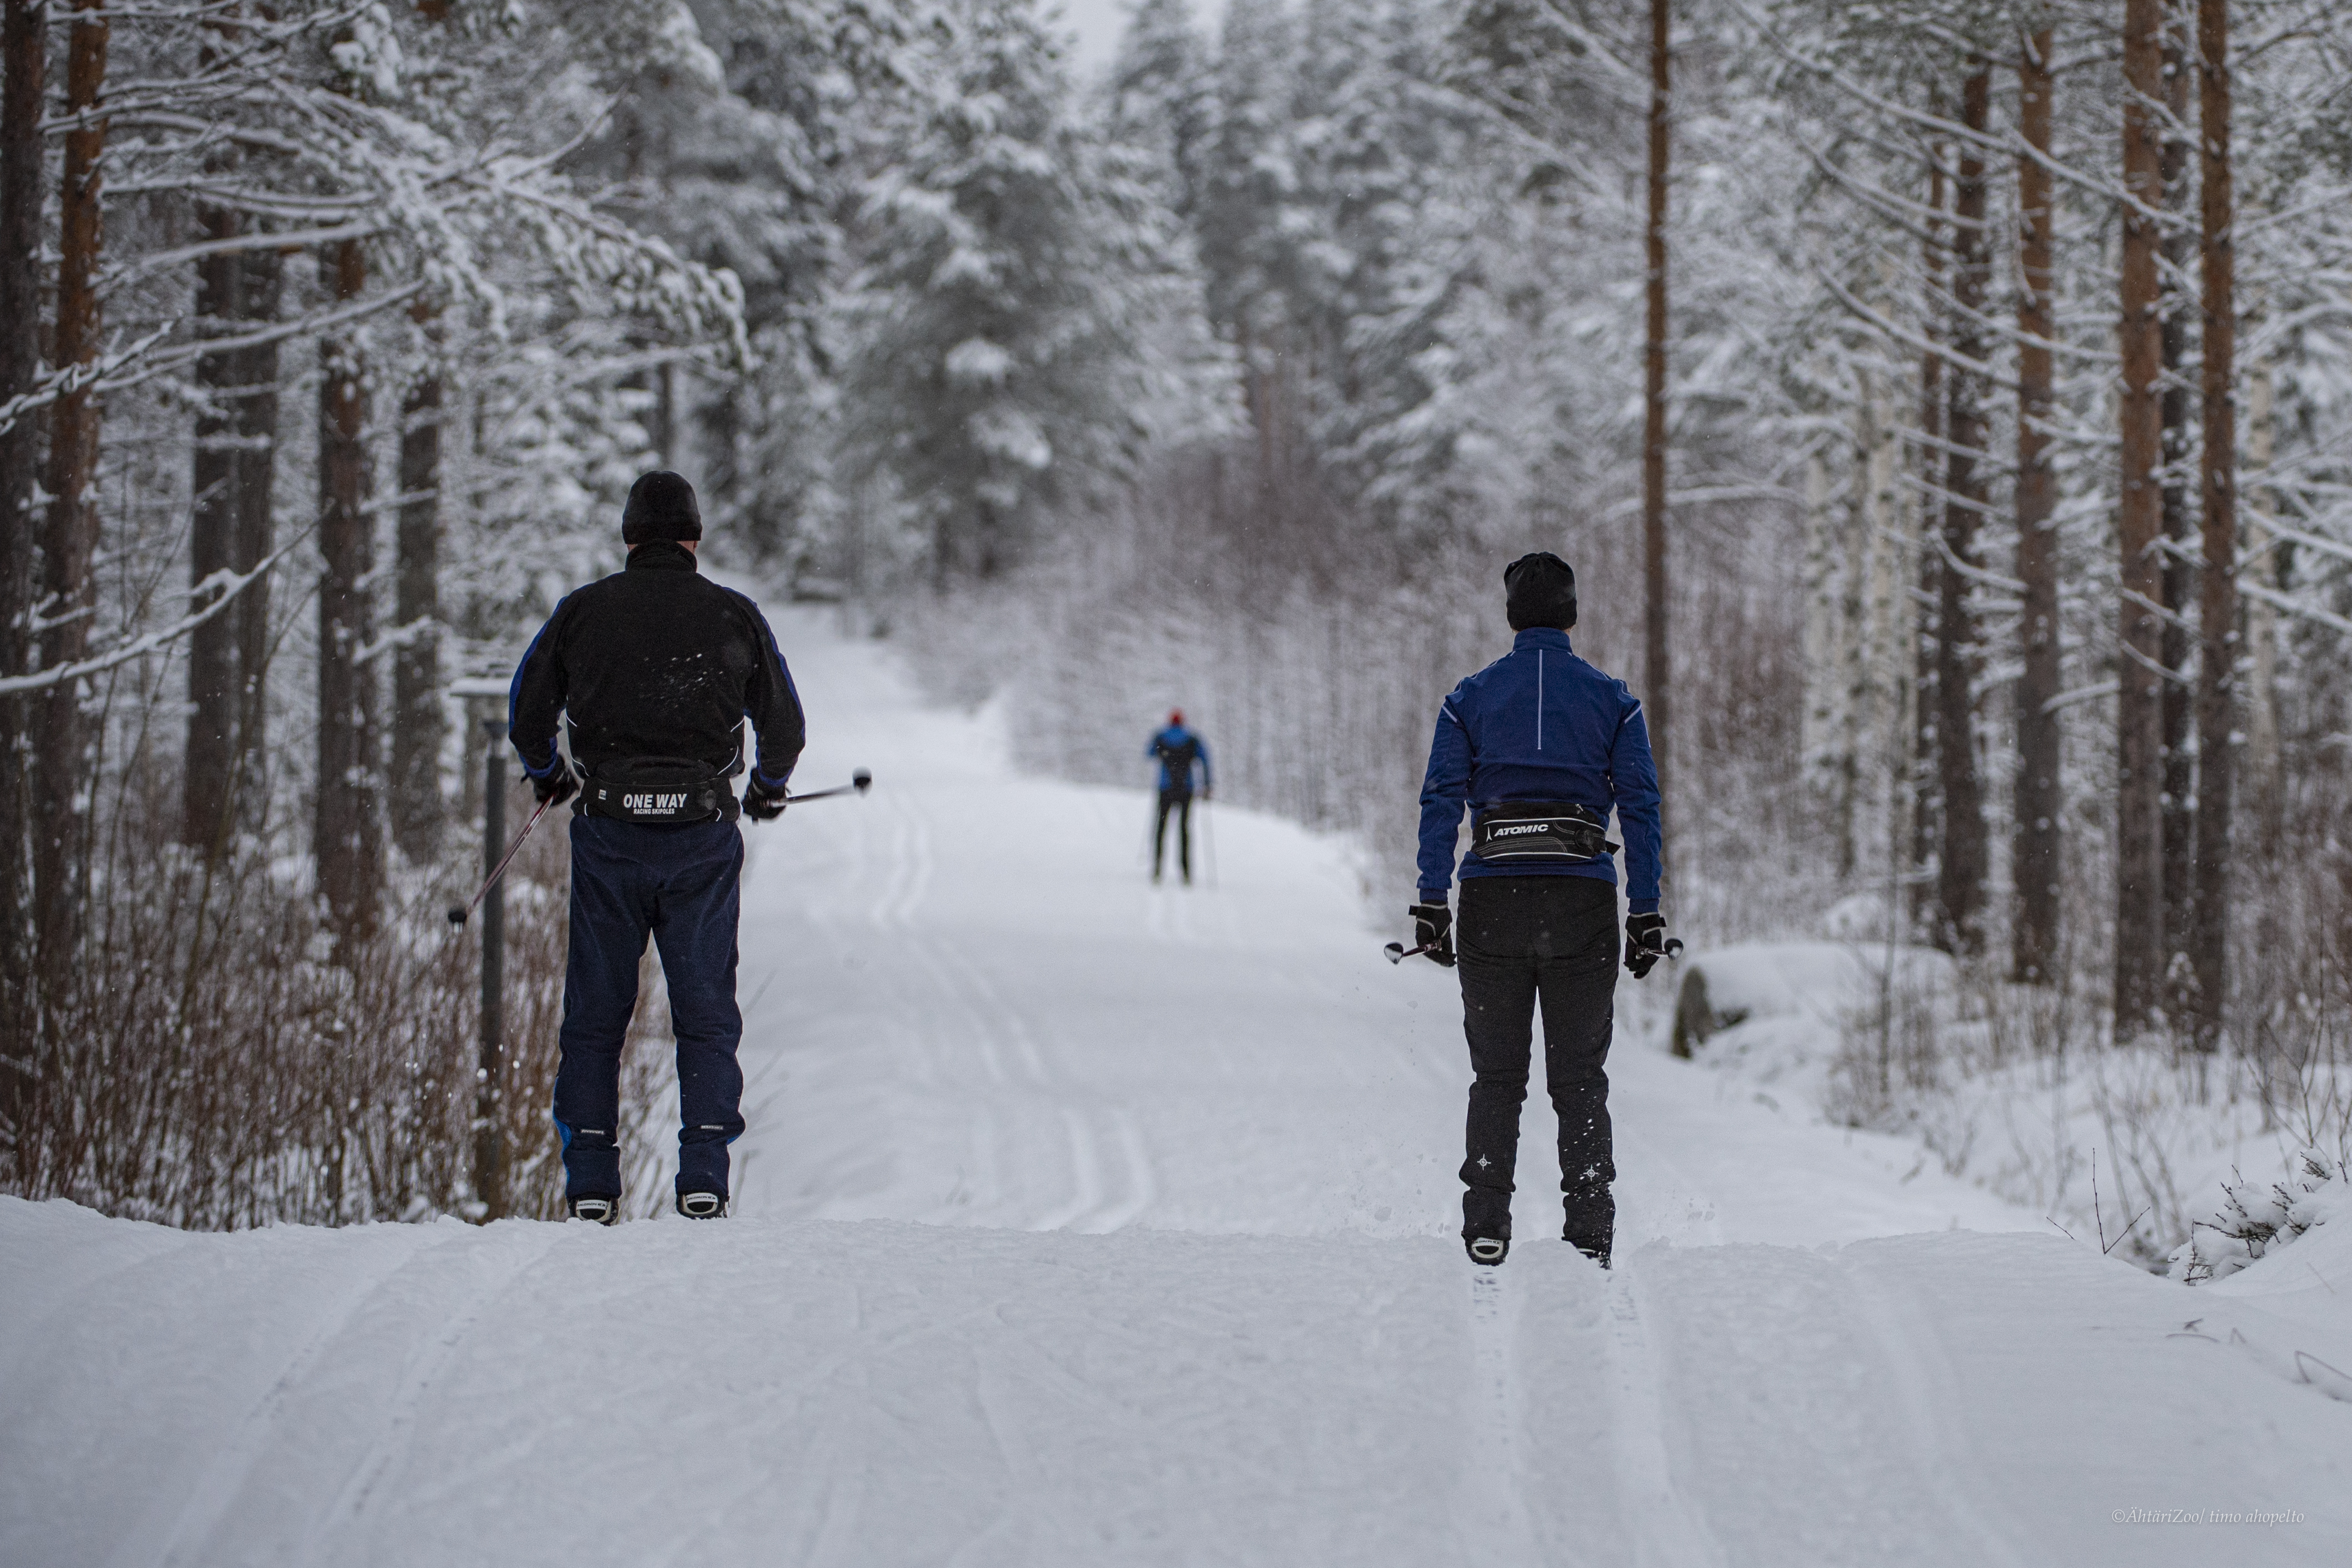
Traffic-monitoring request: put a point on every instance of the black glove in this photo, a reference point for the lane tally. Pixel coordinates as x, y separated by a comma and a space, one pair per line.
1432, 927
761, 803
1646, 943
557, 787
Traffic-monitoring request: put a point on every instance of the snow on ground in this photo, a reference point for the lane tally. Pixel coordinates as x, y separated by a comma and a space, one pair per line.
1082, 1223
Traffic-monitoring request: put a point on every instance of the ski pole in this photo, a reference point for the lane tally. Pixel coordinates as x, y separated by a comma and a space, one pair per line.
860, 782
456, 915
1397, 952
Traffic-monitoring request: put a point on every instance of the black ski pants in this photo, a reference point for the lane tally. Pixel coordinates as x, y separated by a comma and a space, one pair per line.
1520, 938
1181, 802
679, 886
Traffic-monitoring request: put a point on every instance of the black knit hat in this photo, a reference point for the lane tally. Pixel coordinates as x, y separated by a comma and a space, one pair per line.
661, 506
1540, 591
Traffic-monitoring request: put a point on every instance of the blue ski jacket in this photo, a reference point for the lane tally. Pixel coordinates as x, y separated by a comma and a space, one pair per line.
1176, 749
1540, 724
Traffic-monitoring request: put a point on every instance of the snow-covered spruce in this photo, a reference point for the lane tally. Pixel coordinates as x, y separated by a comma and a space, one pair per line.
2254, 1222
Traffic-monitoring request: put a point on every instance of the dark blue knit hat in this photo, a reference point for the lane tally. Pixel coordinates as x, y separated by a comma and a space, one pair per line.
661, 506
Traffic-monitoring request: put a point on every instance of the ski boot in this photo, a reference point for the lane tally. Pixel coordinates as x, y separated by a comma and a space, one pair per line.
702, 1206
1488, 1251
594, 1210
1593, 1247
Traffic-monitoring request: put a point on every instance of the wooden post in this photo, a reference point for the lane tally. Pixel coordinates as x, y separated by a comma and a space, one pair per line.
490, 1059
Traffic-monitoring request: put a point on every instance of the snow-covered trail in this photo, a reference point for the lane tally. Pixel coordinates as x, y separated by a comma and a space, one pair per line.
1082, 1223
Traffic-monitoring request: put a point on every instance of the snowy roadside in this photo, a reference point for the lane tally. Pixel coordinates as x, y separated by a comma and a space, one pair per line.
2124, 1148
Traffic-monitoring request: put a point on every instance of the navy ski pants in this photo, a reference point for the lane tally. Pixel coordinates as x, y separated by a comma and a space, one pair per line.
681, 885
1520, 938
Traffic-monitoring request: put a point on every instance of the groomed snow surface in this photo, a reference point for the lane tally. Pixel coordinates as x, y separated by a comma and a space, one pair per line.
1082, 1222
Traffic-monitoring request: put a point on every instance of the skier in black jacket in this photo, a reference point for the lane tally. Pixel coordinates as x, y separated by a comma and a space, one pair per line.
1542, 748
657, 670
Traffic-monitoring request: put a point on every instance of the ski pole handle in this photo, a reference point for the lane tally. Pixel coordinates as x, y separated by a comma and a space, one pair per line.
859, 781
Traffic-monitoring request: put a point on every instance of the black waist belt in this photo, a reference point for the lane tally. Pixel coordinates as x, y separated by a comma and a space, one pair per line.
659, 790
1558, 832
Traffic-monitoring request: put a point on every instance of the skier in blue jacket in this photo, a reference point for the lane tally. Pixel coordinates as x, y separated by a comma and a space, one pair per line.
1542, 748
1178, 751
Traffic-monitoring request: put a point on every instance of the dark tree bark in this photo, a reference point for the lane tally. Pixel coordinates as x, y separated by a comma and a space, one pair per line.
2139, 738
347, 834
1960, 869
24, 66
255, 462
417, 722
2035, 846
207, 797
1656, 674
70, 532
2217, 598
235, 468
1927, 813
2179, 796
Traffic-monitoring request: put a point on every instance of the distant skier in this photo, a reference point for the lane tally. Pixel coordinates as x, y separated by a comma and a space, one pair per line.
656, 669
1178, 751
1542, 747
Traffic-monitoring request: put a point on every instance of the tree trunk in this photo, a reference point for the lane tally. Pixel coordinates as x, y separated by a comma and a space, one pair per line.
70, 535
1820, 726
1655, 672
1925, 801
1857, 547
2262, 621
2218, 599
2179, 797
1890, 657
2034, 848
256, 465
347, 837
2140, 737
207, 797
1960, 872
417, 726
24, 43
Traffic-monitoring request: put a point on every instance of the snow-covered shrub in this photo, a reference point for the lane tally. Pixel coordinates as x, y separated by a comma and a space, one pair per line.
2254, 1221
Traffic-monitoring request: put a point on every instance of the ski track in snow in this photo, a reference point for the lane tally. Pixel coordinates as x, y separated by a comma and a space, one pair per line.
1495, 1521
1082, 1221
1665, 1532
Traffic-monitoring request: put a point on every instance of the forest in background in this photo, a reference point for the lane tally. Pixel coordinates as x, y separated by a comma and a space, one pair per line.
335, 332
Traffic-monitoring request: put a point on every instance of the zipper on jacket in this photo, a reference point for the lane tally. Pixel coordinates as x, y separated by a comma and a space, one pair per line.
1540, 684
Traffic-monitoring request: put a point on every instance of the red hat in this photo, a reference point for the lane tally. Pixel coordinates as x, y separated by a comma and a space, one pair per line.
1175, 716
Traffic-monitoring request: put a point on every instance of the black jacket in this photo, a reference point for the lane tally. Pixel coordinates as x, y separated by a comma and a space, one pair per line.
656, 661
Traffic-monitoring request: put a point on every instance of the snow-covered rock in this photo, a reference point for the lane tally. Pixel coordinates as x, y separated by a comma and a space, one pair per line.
1818, 985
